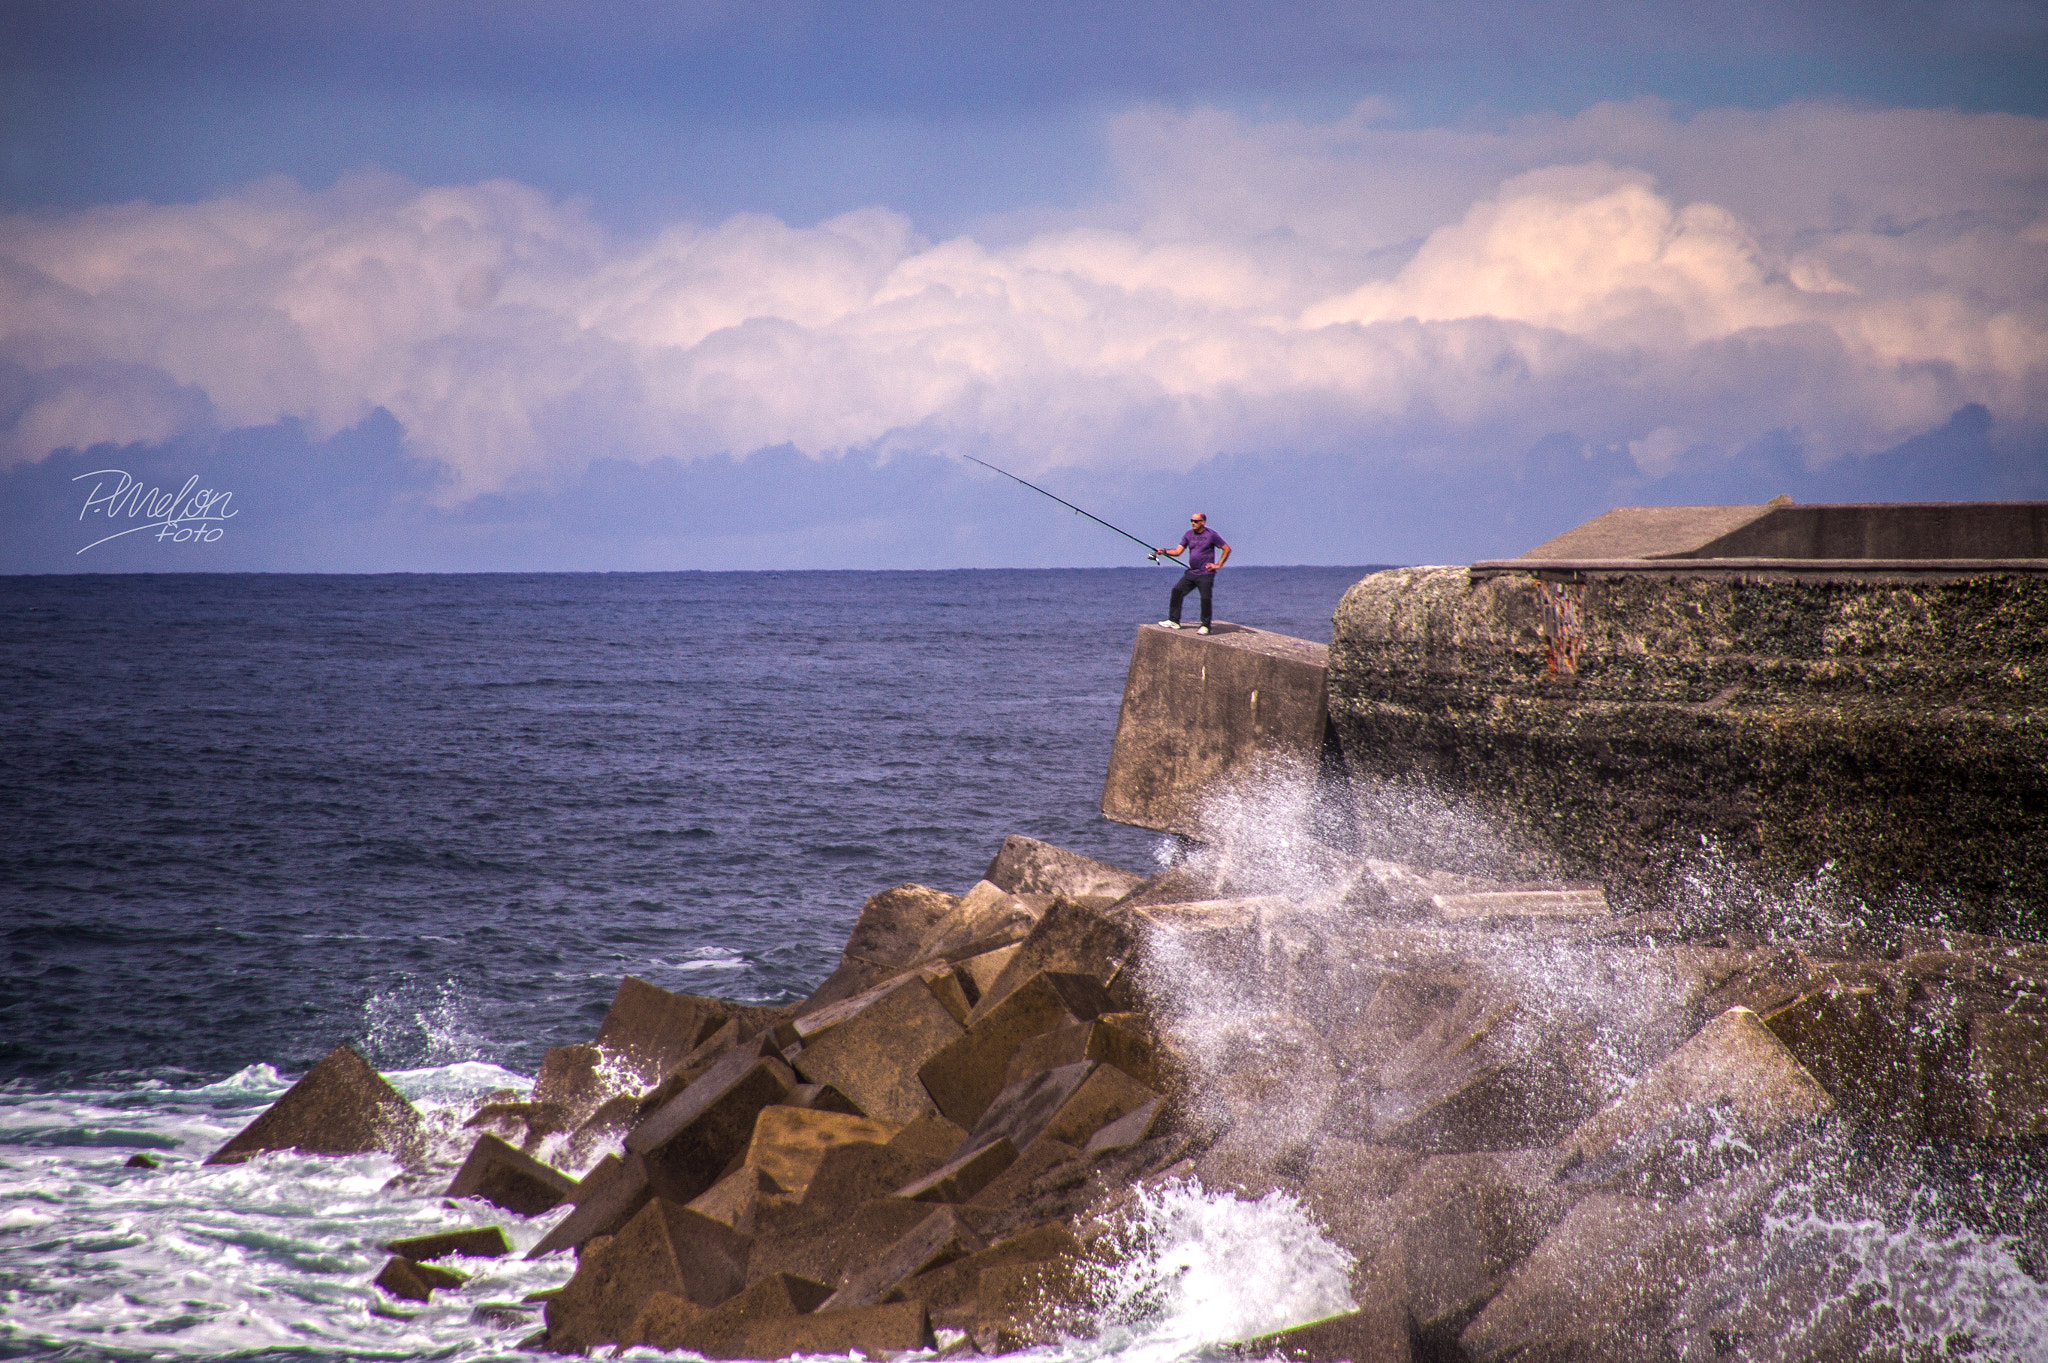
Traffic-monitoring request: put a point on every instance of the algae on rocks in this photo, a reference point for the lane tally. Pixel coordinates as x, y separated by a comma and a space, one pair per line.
1893, 729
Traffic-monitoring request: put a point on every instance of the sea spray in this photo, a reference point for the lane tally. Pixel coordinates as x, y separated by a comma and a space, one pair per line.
1262, 995
415, 1024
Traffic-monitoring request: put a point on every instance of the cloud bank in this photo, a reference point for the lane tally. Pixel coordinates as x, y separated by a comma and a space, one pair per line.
1660, 290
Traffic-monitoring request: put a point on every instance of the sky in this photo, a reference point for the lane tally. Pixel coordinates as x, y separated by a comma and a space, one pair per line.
549, 286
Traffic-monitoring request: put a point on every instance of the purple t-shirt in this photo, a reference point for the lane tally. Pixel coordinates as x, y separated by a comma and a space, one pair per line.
1202, 546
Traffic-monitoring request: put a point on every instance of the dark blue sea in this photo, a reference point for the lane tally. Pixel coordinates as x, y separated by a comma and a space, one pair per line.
247, 817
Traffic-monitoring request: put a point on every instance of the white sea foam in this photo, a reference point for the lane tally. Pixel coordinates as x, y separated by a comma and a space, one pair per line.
1206, 1268
195, 1261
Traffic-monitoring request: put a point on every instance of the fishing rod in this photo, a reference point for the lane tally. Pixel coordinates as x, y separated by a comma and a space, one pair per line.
1150, 552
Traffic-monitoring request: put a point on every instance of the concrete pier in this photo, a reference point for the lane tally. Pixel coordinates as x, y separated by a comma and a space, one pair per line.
1199, 709
1860, 686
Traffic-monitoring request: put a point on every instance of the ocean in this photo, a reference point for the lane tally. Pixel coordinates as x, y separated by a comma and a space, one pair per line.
246, 818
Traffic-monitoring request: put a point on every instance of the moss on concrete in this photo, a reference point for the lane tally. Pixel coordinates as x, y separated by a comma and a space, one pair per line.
1897, 728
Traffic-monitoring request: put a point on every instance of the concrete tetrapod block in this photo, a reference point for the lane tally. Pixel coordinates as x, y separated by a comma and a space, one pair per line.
690, 1140
1602, 1283
726, 1330
932, 1138
1503, 905
850, 1175
1734, 1065
1477, 1078
1856, 1047
665, 1248
934, 1242
873, 1058
2008, 1076
1098, 1040
648, 1030
1133, 1128
1070, 939
892, 923
986, 967
522, 1124
732, 1200
963, 1077
820, 1098
509, 1178
1550, 1300
340, 1107
481, 1242
1027, 866
951, 1289
1015, 1184
960, 1178
1020, 1112
828, 1241
985, 918
661, 1322
1456, 1228
788, 1142
603, 1127
571, 1077
1199, 710
594, 1178
1107, 1094
410, 1281
1020, 1305
876, 1331
951, 988
601, 1211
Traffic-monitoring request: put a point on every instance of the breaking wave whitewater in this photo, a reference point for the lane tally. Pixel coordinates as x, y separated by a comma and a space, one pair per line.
274, 1258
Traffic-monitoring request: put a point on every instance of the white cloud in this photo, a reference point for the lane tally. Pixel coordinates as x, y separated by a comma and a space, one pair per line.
1679, 287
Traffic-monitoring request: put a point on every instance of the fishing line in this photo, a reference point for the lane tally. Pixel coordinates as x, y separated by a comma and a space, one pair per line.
1150, 552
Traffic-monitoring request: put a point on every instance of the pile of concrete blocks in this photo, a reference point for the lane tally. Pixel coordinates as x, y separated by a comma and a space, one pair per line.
1541, 1129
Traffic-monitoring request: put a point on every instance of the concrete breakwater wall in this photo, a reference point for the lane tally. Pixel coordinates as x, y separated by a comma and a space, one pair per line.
1532, 1126
1894, 729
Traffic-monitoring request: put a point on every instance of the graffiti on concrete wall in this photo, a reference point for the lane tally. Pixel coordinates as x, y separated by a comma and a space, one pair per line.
1564, 615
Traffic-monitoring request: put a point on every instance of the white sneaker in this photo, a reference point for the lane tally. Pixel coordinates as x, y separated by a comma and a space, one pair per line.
1169, 624
1203, 630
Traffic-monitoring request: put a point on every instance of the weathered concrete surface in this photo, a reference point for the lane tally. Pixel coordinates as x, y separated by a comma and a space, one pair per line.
410, 1281
1028, 866
1198, 710
341, 1107
665, 1248
1898, 729
484, 1242
509, 1178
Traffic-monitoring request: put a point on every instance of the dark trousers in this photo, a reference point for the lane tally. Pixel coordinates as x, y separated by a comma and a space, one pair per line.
1191, 581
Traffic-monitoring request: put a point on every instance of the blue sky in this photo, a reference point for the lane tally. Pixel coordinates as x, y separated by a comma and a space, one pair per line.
468, 286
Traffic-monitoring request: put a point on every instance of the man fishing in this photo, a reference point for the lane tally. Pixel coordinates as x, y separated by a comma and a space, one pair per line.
1206, 553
